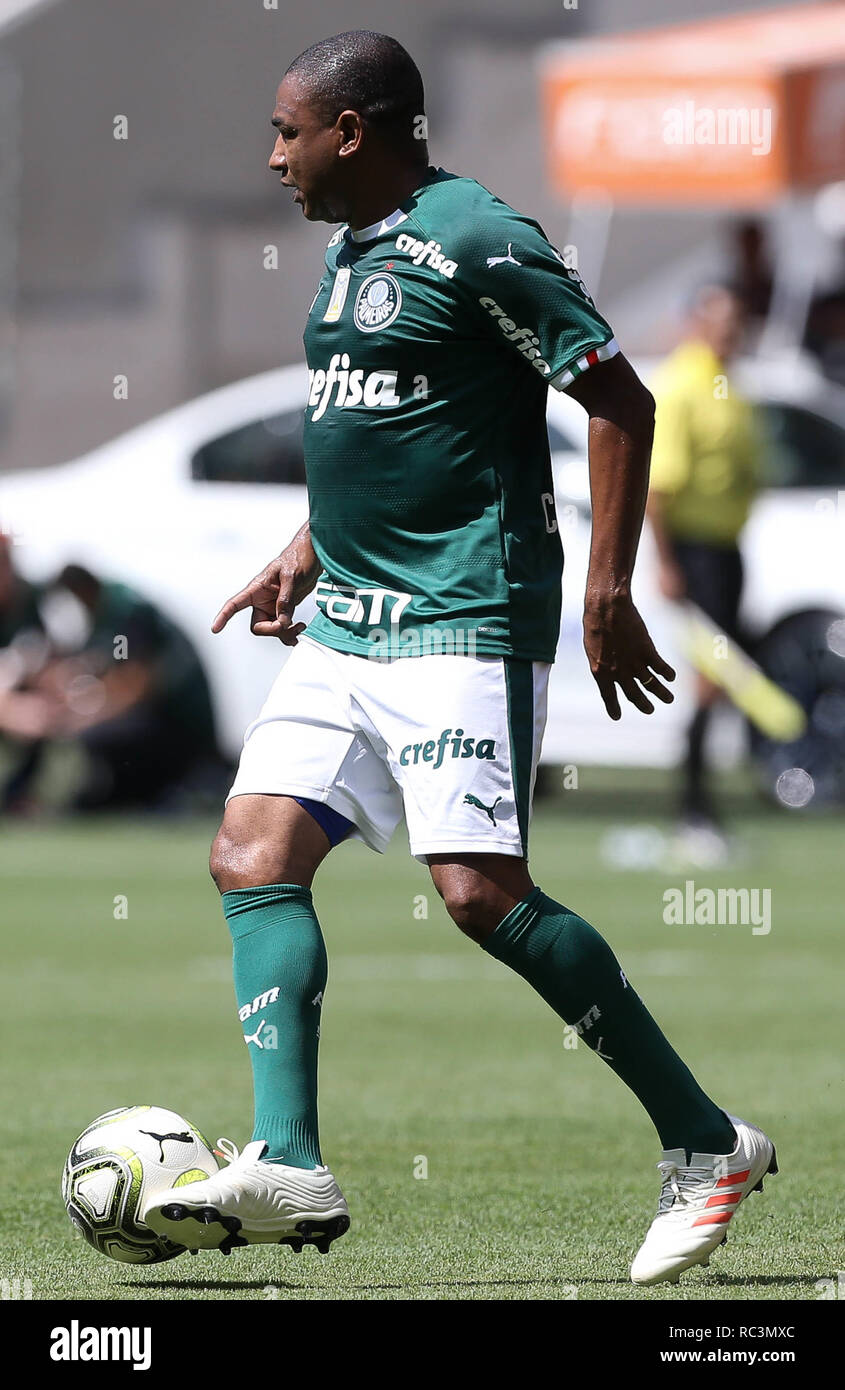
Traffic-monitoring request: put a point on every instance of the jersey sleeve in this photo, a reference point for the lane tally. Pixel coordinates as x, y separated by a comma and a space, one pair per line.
532, 300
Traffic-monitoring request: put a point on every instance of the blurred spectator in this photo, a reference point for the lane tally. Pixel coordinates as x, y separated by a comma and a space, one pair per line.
24, 712
136, 697
751, 272
703, 479
825, 335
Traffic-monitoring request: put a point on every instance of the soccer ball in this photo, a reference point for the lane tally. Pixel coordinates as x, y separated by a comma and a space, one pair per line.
122, 1160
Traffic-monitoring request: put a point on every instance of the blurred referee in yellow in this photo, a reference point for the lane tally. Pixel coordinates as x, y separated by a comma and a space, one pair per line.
704, 468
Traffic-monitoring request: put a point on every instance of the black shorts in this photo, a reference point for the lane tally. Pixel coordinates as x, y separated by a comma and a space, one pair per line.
713, 575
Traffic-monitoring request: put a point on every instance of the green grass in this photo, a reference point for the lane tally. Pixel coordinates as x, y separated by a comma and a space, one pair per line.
540, 1164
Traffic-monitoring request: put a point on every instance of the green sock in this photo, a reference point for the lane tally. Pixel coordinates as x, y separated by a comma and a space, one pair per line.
280, 969
575, 971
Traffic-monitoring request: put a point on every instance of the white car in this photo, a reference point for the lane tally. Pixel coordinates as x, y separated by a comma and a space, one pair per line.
188, 507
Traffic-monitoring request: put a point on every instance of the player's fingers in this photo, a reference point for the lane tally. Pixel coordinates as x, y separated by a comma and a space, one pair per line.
607, 689
262, 625
662, 667
633, 693
284, 601
236, 604
655, 687
289, 634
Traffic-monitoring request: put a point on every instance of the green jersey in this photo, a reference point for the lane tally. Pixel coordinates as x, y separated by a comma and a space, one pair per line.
431, 343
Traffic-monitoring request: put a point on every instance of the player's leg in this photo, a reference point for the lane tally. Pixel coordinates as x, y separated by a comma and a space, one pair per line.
305, 781
277, 1190
711, 1161
264, 840
263, 861
465, 753
573, 968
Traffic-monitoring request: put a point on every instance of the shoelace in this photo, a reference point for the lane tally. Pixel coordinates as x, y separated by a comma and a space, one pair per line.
680, 1184
228, 1150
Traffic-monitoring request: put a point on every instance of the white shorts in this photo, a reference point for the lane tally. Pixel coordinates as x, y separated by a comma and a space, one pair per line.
452, 740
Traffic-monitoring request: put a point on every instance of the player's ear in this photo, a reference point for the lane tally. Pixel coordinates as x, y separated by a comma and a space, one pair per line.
350, 127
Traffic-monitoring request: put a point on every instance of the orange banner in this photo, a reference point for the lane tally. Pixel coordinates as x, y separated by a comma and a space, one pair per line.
732, 112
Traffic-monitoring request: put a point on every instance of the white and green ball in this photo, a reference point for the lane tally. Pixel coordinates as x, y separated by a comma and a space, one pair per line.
118, 1164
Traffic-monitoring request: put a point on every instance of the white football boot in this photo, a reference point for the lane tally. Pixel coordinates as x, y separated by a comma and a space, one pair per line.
252, 1203
698, 1200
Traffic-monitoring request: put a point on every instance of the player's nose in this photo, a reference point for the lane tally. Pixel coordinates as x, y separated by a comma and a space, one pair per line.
278, 159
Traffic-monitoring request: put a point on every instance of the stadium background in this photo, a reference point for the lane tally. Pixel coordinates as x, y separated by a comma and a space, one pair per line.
138, 256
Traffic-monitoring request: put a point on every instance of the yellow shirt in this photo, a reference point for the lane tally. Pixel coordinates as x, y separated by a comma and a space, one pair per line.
704, 457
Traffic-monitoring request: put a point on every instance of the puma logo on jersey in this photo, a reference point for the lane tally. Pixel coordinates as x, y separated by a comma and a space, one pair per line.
525, 340
470, 800
259, 1002
350, 387
509, 259
427, 253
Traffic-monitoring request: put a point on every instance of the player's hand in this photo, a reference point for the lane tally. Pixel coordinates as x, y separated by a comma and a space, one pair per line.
273, 595
621, 653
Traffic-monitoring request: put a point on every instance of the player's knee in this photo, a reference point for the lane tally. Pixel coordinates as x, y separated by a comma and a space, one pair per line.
237, 862
474, 904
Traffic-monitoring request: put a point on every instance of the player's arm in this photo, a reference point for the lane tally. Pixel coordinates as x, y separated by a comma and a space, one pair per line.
618, 646
275, 592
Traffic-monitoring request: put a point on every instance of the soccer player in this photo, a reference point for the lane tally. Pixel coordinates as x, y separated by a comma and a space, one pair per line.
440, 321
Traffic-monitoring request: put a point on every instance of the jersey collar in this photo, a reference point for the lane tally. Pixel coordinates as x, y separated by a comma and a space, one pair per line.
379, 228
393, 220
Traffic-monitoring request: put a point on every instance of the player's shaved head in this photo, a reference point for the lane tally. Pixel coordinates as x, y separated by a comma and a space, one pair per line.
371, 74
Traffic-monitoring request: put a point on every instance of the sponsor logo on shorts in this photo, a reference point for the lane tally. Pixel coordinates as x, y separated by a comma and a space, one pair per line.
470, 800
525, 340
426, 253
448, 744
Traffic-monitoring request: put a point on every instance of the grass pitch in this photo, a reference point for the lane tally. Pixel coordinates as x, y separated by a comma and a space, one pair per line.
539, 1166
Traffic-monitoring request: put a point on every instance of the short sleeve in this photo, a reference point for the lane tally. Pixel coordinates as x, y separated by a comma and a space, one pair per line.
533, 301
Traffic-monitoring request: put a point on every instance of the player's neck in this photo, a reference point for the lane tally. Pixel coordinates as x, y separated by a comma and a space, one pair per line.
371, 205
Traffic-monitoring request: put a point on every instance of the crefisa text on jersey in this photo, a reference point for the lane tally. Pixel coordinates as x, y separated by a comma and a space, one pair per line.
428, 252
372, 390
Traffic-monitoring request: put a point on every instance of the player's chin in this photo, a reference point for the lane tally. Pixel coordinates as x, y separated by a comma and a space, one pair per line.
310, 209
314, 209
